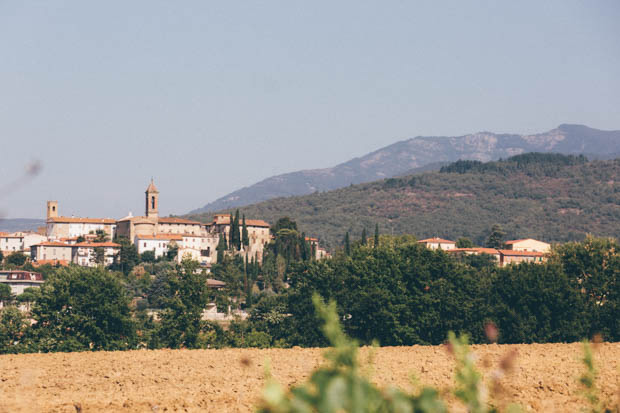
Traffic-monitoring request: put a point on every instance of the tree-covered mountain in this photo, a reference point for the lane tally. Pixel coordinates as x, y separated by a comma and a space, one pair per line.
551, 197
424, 153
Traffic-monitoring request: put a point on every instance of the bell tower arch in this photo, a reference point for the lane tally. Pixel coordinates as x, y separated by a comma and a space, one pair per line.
152, 201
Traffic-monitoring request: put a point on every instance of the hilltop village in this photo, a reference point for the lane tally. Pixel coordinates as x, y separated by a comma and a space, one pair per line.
76, 240
90, 241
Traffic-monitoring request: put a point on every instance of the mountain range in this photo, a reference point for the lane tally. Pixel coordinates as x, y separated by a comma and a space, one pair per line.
552, 197
421, 154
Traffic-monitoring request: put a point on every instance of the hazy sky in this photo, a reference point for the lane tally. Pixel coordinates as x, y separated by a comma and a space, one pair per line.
208, 96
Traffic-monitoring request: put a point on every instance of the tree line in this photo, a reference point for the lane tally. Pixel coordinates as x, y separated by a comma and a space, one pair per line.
387, 288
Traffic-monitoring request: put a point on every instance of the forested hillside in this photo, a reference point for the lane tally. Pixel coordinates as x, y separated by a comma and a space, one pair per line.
546, 196
422, 154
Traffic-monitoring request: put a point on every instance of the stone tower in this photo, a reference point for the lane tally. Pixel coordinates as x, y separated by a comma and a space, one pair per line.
152, 201
52, 209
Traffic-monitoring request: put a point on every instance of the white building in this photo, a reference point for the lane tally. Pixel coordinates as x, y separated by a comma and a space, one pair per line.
19, 242
528, 244
84, 253
159, 243
438, 243
20, 280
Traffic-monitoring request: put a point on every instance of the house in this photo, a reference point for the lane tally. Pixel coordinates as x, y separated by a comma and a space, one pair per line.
477, 251
66, 227
319, 252
19, 242
84, 253
508, 257
527, 244
159, 243
438, 243
51, 250
258, 233
20, 280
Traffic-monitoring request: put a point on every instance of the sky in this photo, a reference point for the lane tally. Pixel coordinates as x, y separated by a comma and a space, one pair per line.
206, 97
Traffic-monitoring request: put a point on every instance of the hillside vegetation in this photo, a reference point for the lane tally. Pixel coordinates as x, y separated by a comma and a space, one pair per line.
545, 196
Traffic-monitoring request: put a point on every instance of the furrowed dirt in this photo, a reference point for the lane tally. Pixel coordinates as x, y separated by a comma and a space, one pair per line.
544, 377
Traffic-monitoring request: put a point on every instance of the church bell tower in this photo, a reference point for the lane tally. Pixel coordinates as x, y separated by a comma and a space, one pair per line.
152, 201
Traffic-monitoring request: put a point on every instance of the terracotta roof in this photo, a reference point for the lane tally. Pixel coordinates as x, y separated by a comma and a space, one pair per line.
174, 220
152, 187
437, 240
3, 234
312, 239
522, 253
23, 276
215, 283
82, 220
514, 241
222, 219
38, 263
97, 244
491, 251
168, 237
53, 244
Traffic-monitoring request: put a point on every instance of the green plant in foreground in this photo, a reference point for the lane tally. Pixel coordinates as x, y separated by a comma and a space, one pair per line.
588, 381
339, 386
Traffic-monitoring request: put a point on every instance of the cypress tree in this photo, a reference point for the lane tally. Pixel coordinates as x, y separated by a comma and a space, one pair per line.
347, 244
221, 248
237, 239
376, 235
231, 233
245, 237
364, 236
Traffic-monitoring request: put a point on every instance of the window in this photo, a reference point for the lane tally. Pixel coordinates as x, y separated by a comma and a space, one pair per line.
145, 245
152, 202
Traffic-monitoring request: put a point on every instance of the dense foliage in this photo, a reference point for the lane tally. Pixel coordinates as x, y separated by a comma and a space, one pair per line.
389, 289
544, 196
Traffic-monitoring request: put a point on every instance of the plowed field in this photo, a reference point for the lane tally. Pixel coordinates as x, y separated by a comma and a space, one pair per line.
544, 377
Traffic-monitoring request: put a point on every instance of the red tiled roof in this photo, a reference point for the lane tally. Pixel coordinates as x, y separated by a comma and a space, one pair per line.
174, 220
53, 244
491, 251
97, 244
222, 219
82, 220
522, 253
38, 263
215, 283
161, 237
437, 240
23, 276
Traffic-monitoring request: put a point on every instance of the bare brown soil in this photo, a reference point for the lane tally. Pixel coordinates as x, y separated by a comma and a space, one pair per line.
545, 376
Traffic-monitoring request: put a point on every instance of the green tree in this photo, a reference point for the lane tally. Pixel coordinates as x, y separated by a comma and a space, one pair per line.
5, 293
83, 308
181, 319
536, 303
1, 258
221, 247
245, 237
98, 256
364, 241
30, 295
236, 237
347, 244
496, 237
376, 244
101, 236
148, 256
16, 258
464, 242
13, 328
593, 266
173, 251
127, 257
283, 223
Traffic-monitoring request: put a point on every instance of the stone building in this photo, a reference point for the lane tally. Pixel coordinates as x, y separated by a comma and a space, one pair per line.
66, 227
258, 233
